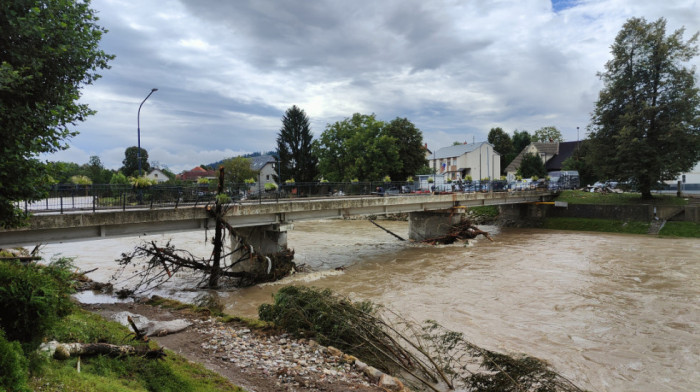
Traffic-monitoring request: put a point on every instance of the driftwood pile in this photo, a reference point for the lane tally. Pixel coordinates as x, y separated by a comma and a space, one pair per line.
462, 231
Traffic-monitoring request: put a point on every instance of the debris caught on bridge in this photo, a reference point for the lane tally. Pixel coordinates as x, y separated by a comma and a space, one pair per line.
462, 231
163, 262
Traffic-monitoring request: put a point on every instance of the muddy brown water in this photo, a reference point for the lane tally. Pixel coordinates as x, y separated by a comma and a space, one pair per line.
610, 312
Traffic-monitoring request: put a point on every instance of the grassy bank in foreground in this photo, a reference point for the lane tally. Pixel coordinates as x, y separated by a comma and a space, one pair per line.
102, 373
581, 197
602, 225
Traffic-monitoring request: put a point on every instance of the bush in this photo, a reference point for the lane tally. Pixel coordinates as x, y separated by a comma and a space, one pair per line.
33, 298
13, 366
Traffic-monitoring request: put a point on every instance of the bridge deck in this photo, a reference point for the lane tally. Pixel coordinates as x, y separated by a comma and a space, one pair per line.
75, 226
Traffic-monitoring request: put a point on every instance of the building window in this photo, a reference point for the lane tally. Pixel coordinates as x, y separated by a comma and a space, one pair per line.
267, 177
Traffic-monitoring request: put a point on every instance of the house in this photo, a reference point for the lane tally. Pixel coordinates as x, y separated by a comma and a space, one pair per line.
478, 160
553, 156
157, 175
197, 173
266, 166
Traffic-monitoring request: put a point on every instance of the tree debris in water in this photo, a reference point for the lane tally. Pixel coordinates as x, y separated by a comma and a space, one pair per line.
162, 263
427, 357
462, 231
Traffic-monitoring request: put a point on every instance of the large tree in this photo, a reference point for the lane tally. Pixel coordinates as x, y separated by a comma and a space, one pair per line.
48, 51
131, 162
237, 170
357, 148
411, 148
521, 139
503, 145
294, 147
547, 135
646, 122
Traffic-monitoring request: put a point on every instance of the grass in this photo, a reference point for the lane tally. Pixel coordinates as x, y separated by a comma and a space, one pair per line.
602, 225
581, 197
681, 229
102, 373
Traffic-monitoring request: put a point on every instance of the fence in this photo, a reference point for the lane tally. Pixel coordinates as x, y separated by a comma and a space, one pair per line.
67, 197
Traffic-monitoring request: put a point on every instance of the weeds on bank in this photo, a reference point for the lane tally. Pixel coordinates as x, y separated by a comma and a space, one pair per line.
581, 197
680, 229
601, 225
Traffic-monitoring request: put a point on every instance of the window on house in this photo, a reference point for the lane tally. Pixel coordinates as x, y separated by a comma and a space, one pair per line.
268, 177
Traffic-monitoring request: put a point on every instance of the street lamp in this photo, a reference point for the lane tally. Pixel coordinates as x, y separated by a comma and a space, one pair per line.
138, 128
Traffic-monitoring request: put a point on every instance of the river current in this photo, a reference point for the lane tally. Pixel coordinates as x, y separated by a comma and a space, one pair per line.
610, 312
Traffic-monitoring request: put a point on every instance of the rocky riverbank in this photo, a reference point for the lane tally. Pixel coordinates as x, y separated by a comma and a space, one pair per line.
259, 360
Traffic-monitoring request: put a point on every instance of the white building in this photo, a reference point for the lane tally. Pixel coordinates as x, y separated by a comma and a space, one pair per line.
158, 175
477, 160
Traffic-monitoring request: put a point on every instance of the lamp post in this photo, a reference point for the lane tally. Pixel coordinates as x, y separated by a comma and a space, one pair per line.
138, 128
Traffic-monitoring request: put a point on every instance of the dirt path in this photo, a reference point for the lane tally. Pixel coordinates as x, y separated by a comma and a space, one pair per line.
256, 361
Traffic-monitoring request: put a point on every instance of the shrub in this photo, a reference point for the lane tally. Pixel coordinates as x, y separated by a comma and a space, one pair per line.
270, 186
33, 298
13, 366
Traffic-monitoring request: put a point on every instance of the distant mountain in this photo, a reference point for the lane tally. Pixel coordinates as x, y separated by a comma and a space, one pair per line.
216, 164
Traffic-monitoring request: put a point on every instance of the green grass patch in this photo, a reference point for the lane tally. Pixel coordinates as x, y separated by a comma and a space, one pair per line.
484, 211
102, 373
602, 225
581, 197
681, 229
252, 323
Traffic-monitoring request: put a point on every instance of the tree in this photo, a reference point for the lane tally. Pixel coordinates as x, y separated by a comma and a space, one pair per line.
503, 145
646, 123
547, 135
97, 172
118, 178
411, 148
357, 147
237, 170
48, 51
294, 147
580, 161
61, 172
521, 139
532, 165
130, 163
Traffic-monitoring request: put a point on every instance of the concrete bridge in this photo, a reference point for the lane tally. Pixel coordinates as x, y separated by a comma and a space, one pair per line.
261, 222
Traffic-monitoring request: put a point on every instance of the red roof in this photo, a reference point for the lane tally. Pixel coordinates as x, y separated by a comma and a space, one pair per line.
196, 173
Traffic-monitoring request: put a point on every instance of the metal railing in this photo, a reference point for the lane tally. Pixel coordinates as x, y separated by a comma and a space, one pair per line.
68, 197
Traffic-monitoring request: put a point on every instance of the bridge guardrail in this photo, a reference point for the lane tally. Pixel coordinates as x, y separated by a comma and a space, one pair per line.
68, 197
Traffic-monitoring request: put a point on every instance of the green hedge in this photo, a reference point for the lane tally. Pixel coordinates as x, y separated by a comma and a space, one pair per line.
32, 298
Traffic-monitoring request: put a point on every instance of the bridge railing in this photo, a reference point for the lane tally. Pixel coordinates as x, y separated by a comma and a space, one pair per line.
68, 197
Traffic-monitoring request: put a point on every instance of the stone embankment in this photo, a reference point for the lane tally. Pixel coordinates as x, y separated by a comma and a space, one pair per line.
292, 363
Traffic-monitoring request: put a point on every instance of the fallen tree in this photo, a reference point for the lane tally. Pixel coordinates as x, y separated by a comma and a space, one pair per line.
66, 350
462, 231
160, 263
427, 356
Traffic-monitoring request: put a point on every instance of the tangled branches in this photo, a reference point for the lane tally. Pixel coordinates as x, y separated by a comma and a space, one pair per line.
463, 230
160, 264
428, 356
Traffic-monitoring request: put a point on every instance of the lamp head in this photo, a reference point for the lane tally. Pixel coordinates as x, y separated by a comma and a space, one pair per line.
154, 90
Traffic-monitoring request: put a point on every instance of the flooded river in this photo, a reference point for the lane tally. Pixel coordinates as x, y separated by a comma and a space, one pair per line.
610, 312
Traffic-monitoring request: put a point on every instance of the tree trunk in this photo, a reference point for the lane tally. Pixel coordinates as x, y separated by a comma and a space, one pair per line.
218, 235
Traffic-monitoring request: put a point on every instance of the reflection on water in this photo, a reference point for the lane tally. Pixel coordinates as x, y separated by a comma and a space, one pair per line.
611, 312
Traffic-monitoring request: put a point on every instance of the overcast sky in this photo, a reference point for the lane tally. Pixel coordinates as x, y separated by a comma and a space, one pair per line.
226, 70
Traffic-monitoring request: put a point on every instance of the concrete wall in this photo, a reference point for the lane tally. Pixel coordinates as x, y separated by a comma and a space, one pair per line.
643, 213
425, 225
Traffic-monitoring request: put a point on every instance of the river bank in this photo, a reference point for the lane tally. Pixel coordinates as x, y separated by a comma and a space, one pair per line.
257, 359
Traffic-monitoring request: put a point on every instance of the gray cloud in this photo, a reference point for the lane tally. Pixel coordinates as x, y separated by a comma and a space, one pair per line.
227, 70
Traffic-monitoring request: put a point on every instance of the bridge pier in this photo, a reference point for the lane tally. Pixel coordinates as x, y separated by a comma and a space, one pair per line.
425, 225
265, 240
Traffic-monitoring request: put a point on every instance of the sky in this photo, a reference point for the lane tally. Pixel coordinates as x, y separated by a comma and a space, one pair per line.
227, 70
